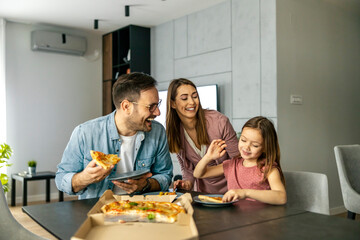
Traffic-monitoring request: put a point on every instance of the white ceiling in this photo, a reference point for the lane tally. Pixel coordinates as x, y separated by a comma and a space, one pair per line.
80, 14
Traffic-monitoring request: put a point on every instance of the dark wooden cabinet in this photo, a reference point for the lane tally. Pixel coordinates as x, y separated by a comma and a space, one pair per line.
124, 50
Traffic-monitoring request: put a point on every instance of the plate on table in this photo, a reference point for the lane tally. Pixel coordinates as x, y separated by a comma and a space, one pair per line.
178, 194
213, 204
129, 175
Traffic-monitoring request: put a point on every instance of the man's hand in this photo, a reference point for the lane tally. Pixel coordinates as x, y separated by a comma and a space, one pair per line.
132, 185
91, 174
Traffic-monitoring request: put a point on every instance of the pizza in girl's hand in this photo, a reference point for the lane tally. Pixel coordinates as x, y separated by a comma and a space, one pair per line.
104, 160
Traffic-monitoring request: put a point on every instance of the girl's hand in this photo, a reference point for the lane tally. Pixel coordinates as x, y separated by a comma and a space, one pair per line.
234, 194
216, 149
183, 184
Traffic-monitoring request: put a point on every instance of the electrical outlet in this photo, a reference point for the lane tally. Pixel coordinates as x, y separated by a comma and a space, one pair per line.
296, 99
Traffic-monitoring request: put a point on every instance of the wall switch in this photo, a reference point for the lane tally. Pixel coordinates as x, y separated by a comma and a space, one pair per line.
296, 99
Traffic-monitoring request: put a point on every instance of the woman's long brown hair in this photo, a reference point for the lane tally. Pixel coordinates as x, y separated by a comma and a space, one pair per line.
271, 152
173, 121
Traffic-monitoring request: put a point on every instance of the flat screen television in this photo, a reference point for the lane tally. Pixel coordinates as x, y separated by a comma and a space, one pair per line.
208, 96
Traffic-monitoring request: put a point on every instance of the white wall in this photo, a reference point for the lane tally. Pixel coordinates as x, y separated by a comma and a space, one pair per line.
47, 95
318, 57
232, 44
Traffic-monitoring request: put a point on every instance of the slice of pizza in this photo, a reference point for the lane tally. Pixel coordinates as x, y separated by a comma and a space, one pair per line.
104, 160
205, 198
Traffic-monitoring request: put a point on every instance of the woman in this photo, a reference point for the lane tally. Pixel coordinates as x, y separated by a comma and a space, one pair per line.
190, 130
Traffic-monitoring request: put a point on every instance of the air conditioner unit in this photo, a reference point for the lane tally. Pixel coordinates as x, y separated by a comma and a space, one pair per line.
57, 42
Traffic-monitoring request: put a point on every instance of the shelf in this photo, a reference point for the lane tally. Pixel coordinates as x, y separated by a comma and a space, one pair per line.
121, 65
116, 47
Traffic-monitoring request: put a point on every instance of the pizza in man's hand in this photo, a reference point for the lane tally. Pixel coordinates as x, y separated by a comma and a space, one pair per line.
104, 160
151, 210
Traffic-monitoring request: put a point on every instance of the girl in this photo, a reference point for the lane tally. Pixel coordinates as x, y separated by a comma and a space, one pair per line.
256, 174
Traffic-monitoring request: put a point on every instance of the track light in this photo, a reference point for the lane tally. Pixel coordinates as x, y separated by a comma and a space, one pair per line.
127, 10
96, 23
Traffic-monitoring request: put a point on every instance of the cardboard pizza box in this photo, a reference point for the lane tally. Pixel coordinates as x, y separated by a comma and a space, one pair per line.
95, 226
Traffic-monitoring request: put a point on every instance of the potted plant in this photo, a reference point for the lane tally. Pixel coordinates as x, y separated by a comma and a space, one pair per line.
32, 167
5, 154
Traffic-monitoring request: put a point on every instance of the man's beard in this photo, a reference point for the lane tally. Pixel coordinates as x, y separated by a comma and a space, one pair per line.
136, 126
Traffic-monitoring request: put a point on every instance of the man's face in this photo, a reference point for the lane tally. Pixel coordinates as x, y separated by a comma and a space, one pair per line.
141, 116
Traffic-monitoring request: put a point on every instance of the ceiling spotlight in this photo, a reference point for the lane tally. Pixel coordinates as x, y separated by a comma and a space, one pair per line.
127, 10
96, 23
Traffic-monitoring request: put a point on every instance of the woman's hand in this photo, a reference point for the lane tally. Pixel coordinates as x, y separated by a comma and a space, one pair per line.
234, 194
183, 184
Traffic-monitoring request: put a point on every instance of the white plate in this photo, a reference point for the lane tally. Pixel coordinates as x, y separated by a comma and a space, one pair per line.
129, 175
213, 204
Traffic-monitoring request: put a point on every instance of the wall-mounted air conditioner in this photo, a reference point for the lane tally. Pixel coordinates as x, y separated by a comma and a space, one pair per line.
58, 42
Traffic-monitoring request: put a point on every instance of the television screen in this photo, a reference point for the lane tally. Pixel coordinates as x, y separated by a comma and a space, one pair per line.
208, 96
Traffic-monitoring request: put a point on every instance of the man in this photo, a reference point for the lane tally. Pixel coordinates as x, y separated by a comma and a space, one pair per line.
129, 132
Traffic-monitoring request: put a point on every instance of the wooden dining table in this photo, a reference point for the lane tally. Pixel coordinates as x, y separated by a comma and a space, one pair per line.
243, 219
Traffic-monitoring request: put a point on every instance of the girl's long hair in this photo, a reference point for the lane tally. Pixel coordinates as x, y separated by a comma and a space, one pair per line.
271, 152
173, 121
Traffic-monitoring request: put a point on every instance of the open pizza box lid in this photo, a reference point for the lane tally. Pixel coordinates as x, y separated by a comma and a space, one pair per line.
95, 226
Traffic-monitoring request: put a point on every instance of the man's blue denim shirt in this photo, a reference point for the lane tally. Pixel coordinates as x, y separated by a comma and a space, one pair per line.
100, 134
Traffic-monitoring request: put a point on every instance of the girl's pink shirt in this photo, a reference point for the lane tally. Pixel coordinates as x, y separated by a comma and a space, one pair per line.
218, 127
240, 177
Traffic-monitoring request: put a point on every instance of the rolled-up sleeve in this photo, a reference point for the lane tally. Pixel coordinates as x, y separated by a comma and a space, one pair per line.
71, 163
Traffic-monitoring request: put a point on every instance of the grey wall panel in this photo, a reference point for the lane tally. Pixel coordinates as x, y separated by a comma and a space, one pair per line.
223, 81
246, 58
268, 57
210, 29
180, 37
205, 64
238, 123
162, 52
163, 86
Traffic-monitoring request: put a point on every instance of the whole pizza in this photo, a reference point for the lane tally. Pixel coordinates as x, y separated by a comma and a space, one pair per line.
151, 210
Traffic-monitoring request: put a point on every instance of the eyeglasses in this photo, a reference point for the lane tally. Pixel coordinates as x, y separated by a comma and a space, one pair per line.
151, 107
